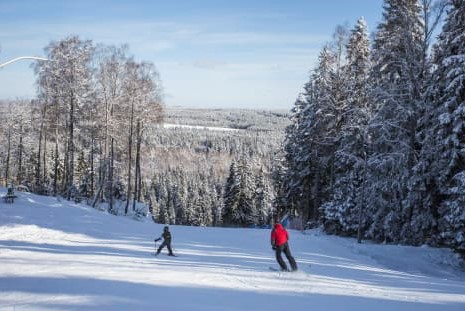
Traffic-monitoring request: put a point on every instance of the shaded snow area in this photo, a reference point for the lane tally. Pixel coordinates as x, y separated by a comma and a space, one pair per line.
56, 255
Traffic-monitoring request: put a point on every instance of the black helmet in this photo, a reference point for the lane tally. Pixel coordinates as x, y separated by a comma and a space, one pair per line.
166, 228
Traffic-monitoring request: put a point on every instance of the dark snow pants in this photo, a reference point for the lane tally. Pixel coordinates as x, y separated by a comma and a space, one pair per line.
167, 244
287, 251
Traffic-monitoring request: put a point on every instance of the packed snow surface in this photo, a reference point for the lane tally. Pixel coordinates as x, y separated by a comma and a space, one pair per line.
56, 255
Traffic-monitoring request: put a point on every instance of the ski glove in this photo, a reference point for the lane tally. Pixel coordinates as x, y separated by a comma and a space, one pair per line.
156, 240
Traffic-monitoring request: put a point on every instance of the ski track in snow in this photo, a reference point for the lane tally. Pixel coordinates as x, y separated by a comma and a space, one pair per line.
57, 255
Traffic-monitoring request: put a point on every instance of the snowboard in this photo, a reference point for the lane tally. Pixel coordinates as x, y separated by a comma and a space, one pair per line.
155, 255
279, 269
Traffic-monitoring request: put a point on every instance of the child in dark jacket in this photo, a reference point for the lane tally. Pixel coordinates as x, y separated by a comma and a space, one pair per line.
279, 242
166, 235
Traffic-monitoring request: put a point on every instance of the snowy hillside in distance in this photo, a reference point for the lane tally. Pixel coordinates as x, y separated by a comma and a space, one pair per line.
199, 127
250, 119
57, 255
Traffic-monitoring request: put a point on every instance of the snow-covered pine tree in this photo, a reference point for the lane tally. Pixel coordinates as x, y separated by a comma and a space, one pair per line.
420, 209
341, 213
180, 197
189, 209
204, 204
83, 177
280, 185
288, 172
326, 97
239, 194
449, 94
217, 204
317, 152
231, 195
163, 202
306, 144
247, 213
263, 198
397, 74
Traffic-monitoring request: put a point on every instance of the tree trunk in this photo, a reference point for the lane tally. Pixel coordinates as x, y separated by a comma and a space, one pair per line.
39, 160
129, 157
315, 196
44, 164
91, 194
139, 186
55, 168
19, 178
64, 180
362, 200
110, 175
7, 164
97, 196
137, 168
39, 187
101, 181
70, 151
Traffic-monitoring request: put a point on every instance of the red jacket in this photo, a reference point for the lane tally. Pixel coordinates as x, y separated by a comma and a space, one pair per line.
279, 235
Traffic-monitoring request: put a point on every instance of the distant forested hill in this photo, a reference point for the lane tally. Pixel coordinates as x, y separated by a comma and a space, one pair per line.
271, 120
206, 176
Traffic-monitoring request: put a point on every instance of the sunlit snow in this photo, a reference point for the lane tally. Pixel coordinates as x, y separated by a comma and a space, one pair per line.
57, 255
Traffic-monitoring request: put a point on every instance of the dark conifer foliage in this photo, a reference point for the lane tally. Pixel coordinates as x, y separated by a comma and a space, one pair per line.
375, 145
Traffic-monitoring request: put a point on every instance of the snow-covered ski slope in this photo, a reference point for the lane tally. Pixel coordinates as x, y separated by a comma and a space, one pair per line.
61, 256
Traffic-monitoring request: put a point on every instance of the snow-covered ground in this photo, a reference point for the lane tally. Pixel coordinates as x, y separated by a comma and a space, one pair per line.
61, 256
199, 127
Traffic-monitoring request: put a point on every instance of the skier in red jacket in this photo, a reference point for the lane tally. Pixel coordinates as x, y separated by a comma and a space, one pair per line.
279, 243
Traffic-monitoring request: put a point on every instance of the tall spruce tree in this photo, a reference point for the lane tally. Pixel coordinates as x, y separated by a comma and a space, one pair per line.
239, 195
290, 174
342, 212
231, 195
449, 94
397, 93
309, 147
262, 198
421, 208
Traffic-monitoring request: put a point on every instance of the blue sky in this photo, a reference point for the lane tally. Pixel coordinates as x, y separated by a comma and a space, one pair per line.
228, 54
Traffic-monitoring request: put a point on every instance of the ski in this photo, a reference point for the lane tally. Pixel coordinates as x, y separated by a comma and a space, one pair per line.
155, 255
277, 270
